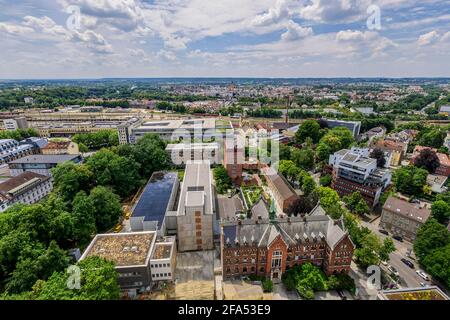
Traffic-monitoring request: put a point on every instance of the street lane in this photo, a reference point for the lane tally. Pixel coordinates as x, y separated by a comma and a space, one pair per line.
408, 277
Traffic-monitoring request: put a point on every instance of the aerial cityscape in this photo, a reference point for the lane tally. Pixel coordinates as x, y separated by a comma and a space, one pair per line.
257, 150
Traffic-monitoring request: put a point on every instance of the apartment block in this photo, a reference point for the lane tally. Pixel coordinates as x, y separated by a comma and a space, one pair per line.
353, 172
402, 218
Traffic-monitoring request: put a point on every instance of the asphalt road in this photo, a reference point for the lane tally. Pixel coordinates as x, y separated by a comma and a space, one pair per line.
408, 277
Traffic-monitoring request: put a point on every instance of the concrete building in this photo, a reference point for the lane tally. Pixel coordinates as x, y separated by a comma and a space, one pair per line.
125, 130
196, 208
354, 172
41, 164
26, 188
163, 260
270, 248
172, 130
14, 124
133, 254
283, 194
157, 198
11, 149
353, 126
402, 218
61, 147
181, 153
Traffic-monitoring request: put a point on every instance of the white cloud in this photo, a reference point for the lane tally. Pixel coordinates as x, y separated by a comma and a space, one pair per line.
274, 15
295, 32
428, 38
13, 29
335, 11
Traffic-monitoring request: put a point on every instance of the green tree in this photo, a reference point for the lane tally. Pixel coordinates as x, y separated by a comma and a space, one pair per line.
303, 158
430, 236
70, 178
326, 180
98, 282
308, 185
308, 129
437, 263
378, 154
107, 207
150, 153
223, 181
117, 172
356, 203
36, 264
387, 248
433, 138
440, 210
329, 200
84, 216
410, 180
368, 253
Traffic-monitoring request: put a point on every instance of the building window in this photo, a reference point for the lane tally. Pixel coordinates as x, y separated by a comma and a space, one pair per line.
276, 259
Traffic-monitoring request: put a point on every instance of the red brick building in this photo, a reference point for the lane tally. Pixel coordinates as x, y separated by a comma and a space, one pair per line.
344, 187
270, 248
284, 195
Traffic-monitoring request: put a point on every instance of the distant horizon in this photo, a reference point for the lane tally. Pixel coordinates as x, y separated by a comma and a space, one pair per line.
227, 77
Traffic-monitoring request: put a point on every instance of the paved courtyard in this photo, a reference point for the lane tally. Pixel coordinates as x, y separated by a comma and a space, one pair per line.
194, 275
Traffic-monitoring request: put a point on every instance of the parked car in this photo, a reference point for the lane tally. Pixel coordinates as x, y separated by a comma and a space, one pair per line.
384, 263
423, 275
383, 232
393, 270
341, 294
408, 263
398, 238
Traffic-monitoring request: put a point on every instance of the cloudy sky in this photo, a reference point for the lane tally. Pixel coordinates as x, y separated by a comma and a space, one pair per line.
224, 38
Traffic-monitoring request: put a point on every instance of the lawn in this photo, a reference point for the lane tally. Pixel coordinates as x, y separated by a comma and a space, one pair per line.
251, 195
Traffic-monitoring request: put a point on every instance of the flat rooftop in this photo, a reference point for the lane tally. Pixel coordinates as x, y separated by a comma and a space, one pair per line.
43, 158
177, 124
190, 146
197, 177
422, 293
162, 251
153, 202
124, 249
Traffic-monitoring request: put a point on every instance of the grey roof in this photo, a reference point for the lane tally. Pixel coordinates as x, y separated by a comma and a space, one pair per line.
292, 230
260, 209
43, 158
197, 177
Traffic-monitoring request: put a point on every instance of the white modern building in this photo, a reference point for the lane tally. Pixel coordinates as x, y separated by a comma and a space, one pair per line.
173, 130
181, 153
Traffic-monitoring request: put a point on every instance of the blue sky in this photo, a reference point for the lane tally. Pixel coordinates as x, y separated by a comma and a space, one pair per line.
223, 38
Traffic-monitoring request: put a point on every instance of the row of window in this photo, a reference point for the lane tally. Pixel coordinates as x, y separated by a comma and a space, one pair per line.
160, 265
161, 275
